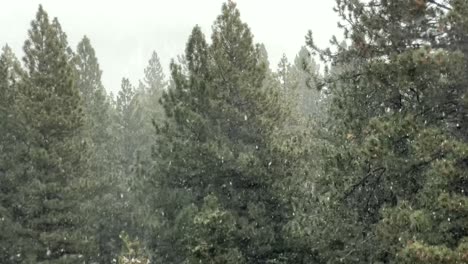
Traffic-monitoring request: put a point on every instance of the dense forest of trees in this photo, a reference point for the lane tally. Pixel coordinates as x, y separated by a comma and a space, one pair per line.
232, 160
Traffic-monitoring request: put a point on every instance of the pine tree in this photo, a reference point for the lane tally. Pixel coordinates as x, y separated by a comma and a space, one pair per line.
284, 74
55, 177
156, 84
126, 106
305, 72
96, 109
396, 170
107, 212
148, 107
10, 72
134, 132
154, 80
270, 81
96, 105
306, 126
11, 149
148, 111
220, 171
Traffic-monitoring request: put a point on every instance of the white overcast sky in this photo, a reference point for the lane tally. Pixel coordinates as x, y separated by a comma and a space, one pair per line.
125, 32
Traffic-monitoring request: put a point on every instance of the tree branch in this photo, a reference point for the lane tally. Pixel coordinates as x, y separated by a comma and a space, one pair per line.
439, 5
353, 188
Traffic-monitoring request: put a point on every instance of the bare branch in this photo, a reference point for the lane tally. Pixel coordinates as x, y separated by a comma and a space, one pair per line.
439, 5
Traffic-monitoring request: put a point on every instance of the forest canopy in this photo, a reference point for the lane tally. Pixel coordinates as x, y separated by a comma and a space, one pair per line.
352, 153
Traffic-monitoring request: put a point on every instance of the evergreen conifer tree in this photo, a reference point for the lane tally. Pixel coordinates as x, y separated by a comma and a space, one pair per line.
221, 169
107, 214
11, 150
393, 190
54, 182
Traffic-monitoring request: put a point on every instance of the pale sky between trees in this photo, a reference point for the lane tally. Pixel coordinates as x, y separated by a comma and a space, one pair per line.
124, 33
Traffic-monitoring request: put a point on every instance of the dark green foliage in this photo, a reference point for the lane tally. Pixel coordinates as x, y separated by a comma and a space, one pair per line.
10, 148
397, 162
106, 212
220, 171
96, 104
135, 112
230, 162
51, 172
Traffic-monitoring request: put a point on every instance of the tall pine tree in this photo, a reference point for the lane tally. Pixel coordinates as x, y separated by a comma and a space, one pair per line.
394, 185
220, 168
106, 212
12, 148
55, 177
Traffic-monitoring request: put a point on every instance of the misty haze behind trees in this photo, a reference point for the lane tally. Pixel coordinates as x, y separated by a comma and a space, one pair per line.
225, 160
